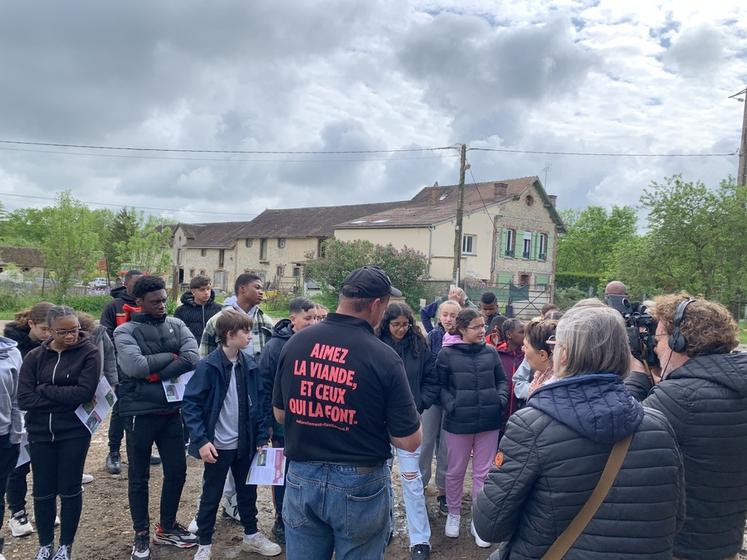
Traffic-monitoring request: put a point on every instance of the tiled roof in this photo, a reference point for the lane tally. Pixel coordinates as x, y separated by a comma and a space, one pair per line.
216, 235
433, 205
24, 257
308, 222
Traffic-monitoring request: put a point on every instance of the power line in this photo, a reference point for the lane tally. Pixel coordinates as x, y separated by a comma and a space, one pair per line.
206, 159
133, 206
601, 154
200, 151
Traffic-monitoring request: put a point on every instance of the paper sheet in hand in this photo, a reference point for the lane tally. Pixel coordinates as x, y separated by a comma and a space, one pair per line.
92, 413
174, 388
23, 455
268, 467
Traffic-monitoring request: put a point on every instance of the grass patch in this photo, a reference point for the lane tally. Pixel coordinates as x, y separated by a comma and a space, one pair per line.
743, 332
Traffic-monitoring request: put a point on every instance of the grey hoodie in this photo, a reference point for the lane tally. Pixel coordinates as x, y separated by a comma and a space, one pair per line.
11, 421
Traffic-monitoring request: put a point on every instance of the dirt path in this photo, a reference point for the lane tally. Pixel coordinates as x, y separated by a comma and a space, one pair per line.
105, 531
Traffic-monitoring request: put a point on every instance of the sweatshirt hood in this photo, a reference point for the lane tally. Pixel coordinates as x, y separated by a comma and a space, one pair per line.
729, 370
282, 329
451, 339
121, 293
15, 331
596, 406
232, 302
6, 344
188, 299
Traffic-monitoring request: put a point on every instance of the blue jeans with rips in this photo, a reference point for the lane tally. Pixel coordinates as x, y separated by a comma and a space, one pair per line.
341, 509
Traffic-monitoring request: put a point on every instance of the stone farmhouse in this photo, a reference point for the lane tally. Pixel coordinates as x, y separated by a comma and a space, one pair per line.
510, 232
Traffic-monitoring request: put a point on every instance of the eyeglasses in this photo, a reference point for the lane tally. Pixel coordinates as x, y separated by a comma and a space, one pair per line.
552, 341
64, 332
400, 326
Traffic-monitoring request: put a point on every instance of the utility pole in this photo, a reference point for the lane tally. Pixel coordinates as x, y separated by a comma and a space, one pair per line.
742, 171
459, 216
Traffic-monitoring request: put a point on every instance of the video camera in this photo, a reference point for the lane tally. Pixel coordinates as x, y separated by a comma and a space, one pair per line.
640, 326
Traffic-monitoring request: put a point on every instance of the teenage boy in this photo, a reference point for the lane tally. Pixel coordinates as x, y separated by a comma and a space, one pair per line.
247, 296
198, 305
302, 314
489, 306
224, 411
152, 347
117, 312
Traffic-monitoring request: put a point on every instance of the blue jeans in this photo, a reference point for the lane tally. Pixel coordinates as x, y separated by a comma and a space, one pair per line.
418, 526
340, 509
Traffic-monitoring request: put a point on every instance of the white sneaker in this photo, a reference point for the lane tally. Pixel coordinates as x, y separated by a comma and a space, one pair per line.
19, 524
231, 508
192, 527
452, 526
86, 478
478, 541
203, 552
260, 544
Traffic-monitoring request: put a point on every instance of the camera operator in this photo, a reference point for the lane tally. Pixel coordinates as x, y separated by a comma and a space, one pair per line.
703, 393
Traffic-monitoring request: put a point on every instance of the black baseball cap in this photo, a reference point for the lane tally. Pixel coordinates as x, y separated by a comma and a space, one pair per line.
368, 282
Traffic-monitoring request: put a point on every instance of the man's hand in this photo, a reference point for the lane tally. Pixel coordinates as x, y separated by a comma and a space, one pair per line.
208, 453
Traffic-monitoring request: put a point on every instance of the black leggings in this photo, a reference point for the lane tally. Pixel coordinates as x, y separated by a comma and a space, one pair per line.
8, 459
17, 488
57, 467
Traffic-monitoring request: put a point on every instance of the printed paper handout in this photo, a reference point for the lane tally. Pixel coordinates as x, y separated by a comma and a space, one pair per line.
175, 387
23, 456
93, 413
268, 467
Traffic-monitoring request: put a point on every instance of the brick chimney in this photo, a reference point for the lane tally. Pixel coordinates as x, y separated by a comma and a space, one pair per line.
553, 199
501, 190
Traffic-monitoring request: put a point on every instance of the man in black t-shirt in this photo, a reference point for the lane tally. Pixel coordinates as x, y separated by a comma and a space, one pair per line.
343, 398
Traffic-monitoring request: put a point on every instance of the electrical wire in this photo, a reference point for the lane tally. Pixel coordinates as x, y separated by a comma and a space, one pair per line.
599, 154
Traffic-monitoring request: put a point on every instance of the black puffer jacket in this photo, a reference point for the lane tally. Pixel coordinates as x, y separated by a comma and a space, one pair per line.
420, 367
474, 392
196, 316
554, 451
705, 400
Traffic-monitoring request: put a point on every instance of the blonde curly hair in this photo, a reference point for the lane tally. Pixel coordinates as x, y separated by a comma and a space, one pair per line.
708, 326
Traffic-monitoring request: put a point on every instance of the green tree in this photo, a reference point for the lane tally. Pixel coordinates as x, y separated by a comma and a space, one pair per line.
592, 236
123, 226
406, 267
25, 227
70, 243
148, 248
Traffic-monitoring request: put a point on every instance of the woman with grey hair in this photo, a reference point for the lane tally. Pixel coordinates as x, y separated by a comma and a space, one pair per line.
555, 449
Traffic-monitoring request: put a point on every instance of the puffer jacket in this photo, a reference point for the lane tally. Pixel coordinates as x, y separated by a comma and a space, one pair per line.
150, 350
196, 316
474, 392
551, 458
53, 384
705, 400
420, 367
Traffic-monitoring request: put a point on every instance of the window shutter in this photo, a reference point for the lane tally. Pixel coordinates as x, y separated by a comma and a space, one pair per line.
504, 240
504, 278
535, 245
549, 246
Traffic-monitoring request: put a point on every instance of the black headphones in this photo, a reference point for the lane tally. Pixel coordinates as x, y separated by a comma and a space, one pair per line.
677, 341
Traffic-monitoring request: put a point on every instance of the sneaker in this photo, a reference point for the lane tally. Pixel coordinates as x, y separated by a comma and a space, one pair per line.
177, 536
203, 552
65, 552
44, 553
420, 552
192, 527
141, 547
86, 478
442, 508
452, 526
114, 463
19, 524
278, 531
260, 544
478, 541
155, 459
231, 508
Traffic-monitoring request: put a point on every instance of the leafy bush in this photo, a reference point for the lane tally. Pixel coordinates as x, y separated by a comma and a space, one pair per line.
12, 302
565, 298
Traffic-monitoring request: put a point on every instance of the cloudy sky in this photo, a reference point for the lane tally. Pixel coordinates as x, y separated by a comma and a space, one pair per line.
567, 75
